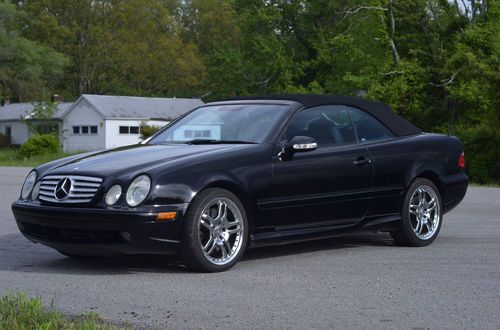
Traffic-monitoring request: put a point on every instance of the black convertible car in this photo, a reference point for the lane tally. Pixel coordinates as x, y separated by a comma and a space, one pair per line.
248, 172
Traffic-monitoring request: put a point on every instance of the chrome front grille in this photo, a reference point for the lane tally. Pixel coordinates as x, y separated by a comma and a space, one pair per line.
68, 188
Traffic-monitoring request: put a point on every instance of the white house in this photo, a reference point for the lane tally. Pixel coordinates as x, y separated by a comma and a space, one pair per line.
95, 122
12, 125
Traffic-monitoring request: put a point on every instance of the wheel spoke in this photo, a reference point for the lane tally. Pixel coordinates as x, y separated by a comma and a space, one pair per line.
208, 218
222, 211
419, 224
431, 206
231, 224
429, 227
224, 252
227, 247
421, 196
234, 231
212, 247
206, 224
421, 227
209, 242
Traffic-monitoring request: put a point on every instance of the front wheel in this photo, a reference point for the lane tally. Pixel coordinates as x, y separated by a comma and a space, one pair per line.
215, 231
422, 215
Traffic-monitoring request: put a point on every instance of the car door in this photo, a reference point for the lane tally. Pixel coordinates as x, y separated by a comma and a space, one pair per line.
391, 160
327, 186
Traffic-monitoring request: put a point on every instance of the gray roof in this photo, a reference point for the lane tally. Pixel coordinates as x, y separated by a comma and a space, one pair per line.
140, 107
15, 111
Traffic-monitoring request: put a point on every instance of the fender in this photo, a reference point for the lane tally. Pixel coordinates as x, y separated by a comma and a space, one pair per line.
426, 168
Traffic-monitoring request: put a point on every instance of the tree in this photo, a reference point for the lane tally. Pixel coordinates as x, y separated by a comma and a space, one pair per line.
28, 70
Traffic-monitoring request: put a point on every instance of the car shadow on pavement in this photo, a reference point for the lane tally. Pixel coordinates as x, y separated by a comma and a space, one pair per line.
17, 254
341, 242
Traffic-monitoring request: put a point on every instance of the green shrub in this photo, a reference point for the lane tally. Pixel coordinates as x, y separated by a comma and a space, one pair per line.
148, 130
4, 140
37, 145
482, 153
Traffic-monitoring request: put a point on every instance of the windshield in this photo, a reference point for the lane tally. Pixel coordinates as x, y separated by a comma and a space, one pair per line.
232, 123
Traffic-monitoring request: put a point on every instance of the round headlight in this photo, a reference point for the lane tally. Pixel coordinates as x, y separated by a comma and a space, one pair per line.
113, 194
28, 185
36, 191
138, 190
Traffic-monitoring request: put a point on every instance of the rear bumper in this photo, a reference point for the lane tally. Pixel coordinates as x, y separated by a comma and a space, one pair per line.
90, 231
456, 188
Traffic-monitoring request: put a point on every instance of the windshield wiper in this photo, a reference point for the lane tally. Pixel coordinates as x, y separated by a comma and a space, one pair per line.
212, 141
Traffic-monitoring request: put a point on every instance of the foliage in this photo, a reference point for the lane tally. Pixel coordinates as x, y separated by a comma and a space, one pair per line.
40, 120
481, 152
18, 311
148, 130
12, 157
40, 144
28, 69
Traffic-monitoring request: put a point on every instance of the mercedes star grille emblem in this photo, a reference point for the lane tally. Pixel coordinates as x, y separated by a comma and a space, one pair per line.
62, 189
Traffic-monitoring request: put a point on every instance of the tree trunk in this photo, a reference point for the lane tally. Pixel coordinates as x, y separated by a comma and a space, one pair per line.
392, 30
473, 9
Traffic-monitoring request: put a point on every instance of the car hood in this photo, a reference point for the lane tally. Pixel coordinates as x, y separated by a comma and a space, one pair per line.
141, 158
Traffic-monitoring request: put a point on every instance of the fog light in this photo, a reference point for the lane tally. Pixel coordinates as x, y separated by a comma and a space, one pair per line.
165, 216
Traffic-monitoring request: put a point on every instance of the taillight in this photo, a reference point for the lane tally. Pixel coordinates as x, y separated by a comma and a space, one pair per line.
461, 161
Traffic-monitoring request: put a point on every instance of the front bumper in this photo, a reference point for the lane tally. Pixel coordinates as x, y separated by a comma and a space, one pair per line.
93, 231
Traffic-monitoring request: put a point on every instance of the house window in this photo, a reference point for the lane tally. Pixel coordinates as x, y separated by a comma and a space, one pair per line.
8, 131
193, 133
129, 130
84, 130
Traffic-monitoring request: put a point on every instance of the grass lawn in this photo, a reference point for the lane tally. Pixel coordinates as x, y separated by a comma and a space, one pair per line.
11, 157
17, 311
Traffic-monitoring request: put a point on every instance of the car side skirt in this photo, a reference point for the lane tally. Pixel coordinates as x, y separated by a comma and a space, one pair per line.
281, 236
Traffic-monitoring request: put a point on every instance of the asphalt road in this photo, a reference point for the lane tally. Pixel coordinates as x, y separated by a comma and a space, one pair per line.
361, 281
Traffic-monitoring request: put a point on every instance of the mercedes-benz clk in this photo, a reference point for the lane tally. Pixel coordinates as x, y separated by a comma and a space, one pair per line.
245, 173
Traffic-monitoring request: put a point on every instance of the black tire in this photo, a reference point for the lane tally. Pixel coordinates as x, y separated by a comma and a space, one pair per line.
406, 233
191, 252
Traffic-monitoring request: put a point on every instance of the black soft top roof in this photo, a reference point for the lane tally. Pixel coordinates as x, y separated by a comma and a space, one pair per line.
398, 125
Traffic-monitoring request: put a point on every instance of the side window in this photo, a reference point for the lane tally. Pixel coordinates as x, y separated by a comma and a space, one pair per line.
368, 128
329, 125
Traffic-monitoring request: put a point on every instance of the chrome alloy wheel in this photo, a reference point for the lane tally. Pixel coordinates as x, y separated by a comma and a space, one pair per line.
221, 230
424, 212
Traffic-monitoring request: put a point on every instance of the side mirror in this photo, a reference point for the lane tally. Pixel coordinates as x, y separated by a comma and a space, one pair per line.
297, 144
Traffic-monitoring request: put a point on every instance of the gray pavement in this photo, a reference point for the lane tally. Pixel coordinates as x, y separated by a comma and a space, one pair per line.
360, 281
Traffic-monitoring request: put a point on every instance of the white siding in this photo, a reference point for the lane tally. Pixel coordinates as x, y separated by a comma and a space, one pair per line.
19, 131
83, 114
113, 137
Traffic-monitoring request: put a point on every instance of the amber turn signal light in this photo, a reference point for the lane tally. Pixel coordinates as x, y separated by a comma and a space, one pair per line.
165, 216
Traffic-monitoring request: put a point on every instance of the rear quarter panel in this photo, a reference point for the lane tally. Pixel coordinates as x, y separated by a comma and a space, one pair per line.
399, 161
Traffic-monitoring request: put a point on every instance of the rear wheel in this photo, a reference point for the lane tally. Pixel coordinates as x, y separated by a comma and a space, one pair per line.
422, 215
215, 231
